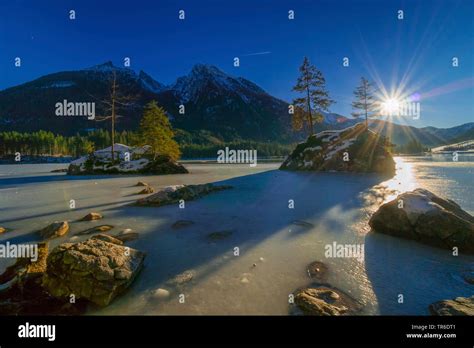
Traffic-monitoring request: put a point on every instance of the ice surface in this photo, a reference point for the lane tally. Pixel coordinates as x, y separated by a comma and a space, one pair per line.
256, 212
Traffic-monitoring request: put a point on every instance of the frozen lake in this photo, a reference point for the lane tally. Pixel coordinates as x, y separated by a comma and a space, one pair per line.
256, 211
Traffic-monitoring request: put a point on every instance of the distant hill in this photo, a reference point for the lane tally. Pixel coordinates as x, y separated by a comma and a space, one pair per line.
429, 136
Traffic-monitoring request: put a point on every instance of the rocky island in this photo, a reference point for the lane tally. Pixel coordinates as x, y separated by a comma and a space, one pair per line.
353, 149
127, 160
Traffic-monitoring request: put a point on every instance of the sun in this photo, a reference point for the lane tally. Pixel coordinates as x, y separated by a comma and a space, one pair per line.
391, 106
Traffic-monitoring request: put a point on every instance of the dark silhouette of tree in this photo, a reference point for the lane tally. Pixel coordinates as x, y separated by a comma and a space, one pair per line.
312, 85
364, 104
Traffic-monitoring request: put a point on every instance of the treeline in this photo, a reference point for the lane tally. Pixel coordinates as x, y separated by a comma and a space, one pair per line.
45, 143
412, 147
210, 150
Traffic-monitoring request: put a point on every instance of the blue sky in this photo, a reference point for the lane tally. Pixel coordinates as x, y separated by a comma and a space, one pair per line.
413, 55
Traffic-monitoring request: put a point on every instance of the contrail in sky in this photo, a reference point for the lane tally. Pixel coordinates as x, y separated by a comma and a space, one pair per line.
256, 54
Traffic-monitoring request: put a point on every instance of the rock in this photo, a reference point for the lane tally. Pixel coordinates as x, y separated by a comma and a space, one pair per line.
127, 237
365, 151
25, 294
325, 301
161, 293
91, 217
422, 216
468, 277
140, 161
302, 223
94, 270
55, 230
25, 267
107, 238
244, 280
182, 278
318, 271
2, 230
173, 194
141, 183
182, 223
63, 170
147, 190
95, 229
215, 236
261, 259
458, 306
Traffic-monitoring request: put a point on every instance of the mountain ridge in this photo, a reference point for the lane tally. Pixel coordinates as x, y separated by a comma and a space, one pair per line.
227, 106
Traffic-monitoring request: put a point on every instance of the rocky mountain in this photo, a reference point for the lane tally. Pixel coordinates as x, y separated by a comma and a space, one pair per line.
230, 108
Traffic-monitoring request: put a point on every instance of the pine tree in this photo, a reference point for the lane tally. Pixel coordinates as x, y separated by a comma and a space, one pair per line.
364, 103
312, 84
156, 131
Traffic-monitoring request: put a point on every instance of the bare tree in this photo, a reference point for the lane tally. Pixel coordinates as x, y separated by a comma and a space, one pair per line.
117, 100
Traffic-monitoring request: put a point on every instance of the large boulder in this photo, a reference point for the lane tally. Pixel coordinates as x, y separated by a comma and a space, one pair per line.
354, 149
427, 218
23, 293
173, 194
127, 160
94, 270
458, 306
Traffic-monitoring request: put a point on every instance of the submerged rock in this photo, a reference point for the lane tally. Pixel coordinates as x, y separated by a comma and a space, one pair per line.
141, 183
182, 278
215, 236
302, 223
2, 230
325, 301
468, 277
182, 223
91, 217
95, 229
458, 306
127, 160
422, 216
354, 149
173, 194
318, 271
94, 270
54, 230
107, 238
127, 236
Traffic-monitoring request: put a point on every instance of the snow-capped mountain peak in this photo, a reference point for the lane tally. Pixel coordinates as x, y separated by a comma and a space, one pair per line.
210, 79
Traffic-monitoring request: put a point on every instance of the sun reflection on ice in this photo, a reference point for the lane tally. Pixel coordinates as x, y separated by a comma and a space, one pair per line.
403, 181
